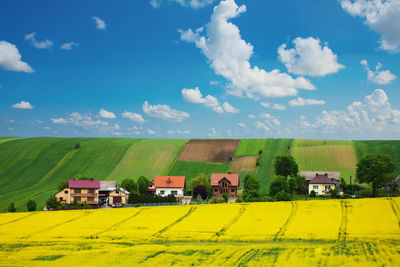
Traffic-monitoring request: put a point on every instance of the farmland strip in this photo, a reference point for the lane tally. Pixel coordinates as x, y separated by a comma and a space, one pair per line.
246, 257
284, 227
396, 210
233, 221
56, 167
191, 210
341, 241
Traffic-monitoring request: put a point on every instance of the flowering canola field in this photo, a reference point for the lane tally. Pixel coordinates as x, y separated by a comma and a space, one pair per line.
300, 233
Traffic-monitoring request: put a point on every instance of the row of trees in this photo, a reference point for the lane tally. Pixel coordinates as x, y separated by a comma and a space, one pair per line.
30, 206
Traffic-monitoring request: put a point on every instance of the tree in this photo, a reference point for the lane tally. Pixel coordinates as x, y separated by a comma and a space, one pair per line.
52, 203
279, 184
313, 194
251, 187
143, 185
62, 185
12, 208
200, 190
285, 165
225, 197
334, 193
301, 184
31, 205
292, 185
129, 185
77, 145
376, 170
201, 180
282, 196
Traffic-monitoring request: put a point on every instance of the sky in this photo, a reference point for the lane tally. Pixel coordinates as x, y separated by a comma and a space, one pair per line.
200, 69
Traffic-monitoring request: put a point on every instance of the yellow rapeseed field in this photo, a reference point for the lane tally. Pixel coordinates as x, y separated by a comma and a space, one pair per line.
363, 232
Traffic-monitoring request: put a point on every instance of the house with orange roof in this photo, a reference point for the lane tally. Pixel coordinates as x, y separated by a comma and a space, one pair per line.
169, 185
224, 183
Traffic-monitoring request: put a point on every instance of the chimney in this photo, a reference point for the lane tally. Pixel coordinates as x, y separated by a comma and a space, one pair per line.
169, 180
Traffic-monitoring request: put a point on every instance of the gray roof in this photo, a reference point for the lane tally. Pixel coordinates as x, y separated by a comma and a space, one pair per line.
106, 185
311, 174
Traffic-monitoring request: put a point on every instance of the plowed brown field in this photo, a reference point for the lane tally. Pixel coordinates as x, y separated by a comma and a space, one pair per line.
209, 150
244, 163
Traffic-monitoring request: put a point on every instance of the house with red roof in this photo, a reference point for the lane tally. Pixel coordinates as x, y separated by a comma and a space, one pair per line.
169, 185
80, 191
224, 183
321, 184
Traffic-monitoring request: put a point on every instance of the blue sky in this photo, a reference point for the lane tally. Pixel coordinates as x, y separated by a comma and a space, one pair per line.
200, 69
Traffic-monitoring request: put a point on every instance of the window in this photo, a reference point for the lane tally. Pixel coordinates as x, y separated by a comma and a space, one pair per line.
91, 190
77, 198
162, 192
90, 199
315, 187
327, 187
61, 199
232, 190
77, 190
117, 192
215, 189
66, 192
174, 192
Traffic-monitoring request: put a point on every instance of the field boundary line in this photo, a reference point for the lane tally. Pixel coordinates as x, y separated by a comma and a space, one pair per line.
190, 211
396, 210
246, 257
56, 225
233, 221
278, 236
16, 220
342, 235
115, 225
177, 155
56, 167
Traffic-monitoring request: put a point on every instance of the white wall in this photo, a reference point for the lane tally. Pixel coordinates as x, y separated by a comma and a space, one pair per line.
168, 191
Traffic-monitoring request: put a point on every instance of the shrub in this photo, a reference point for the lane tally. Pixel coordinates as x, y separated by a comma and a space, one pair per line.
31, 205
282, 196
200, 190
313, 194
226, 197
77, 145
52, 203
12, 208
86, 206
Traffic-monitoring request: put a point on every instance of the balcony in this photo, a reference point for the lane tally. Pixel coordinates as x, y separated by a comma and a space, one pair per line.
83, 194
88, 202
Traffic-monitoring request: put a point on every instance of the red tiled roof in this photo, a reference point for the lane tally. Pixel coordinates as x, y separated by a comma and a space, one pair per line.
231, 177
169, 181
321, 179
83, 184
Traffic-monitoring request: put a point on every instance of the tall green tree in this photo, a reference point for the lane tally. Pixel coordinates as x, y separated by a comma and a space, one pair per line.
201, 179
292, 185
130, 185
301, 184
31, 205
143, 185
12, 208
376, 170
279, 184
251, 186
285, 165
52, 203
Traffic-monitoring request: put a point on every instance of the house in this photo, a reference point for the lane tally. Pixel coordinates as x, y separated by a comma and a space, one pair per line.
118, 195
321, 184
169, 185
80, 191
333, 176
224, 183
151, 190
105, 188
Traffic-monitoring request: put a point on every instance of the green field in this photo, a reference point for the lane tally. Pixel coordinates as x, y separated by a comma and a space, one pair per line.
250, 147
265, 172
191, 169
320, 155
149, 158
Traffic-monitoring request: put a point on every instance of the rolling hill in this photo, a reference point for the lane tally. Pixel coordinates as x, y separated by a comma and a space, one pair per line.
31, 168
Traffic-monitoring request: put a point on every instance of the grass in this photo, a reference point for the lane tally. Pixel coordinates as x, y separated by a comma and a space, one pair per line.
265, 172
391, 148
320, 155
149, 158
191, 169
250, 147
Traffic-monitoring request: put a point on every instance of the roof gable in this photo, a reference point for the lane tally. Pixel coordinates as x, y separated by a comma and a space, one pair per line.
84, 184
233, 178
169, 182
321, 179
311, 174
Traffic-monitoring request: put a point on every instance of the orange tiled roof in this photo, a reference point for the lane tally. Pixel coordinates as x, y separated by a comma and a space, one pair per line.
231, 177
169, 181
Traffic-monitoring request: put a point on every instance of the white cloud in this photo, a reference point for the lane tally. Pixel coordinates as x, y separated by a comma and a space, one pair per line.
214, 82
260, 125
150, 131
58, 120
270, 120
181, 132
212, 133
378, 76
10, 58
133, 117
186, 3
69, 46
164, 112
309, 58
382, 16
374, 115
106, 114
100, 24
229, 57
252, 116
23, 105
305, 102
196, 97
273, 106
240, 124
41, 45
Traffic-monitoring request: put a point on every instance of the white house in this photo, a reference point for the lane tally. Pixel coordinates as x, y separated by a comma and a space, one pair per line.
169, 185
321, 184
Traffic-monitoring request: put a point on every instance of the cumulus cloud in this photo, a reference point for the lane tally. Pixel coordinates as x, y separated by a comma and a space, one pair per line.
196, 97
100, 24
164, 112
273, 106
106, 114
69, 46
308, 57
374, 115
378, 76
23, 105
270, 120
87, 122
262, 126
40, 45
10, 58
214, 82
229, 56
382, 16
186, 3
240, 124
58, 120
135, 117
252, 116
180, 132
305, 102
150, 131
212, 133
